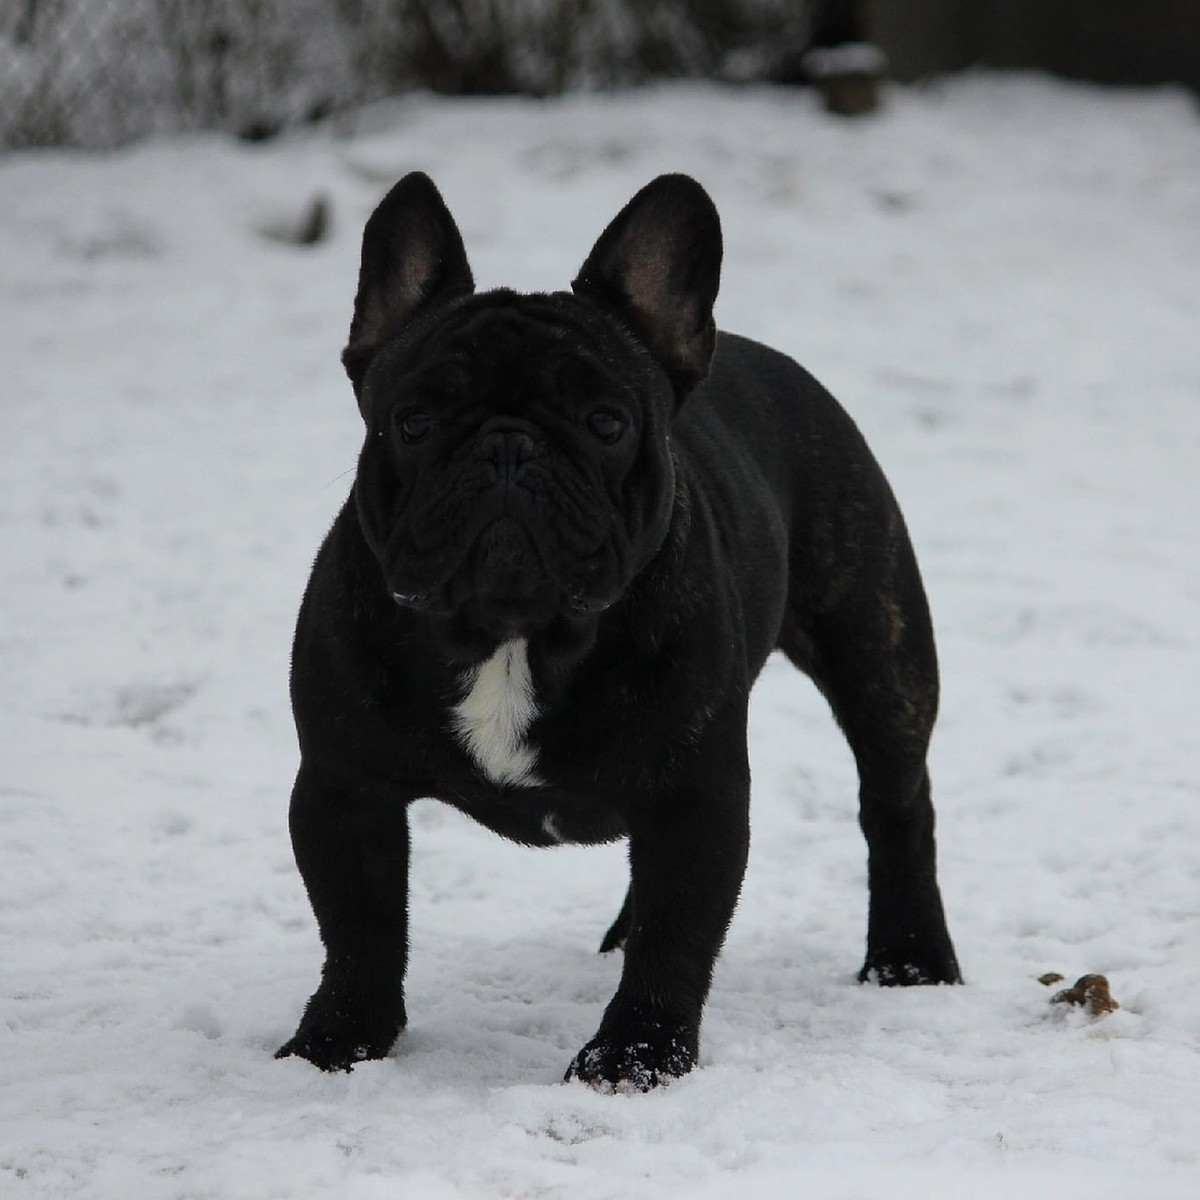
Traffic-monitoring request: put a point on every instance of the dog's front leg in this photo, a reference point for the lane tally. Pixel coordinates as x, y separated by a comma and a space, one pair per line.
687, 854
352, 852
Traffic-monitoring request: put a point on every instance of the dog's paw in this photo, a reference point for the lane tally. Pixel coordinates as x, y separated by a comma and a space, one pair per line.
912, 967
332, 1041
636, 1061
334, 1051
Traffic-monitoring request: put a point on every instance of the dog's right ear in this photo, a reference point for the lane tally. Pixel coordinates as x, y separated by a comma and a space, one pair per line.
412, 255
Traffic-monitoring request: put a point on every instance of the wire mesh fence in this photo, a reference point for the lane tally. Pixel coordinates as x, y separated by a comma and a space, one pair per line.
99, 73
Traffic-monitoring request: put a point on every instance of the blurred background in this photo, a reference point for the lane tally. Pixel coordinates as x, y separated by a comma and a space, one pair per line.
100, 73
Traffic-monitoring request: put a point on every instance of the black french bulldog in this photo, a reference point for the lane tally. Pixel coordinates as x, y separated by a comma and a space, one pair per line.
581, 522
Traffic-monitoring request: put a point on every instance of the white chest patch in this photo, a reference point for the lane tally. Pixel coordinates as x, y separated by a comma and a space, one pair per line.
495, 714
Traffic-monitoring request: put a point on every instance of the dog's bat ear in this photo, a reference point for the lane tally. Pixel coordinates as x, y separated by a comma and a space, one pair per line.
658, 267
412, 255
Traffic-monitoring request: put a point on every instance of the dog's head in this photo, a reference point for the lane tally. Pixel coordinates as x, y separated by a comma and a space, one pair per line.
517, 466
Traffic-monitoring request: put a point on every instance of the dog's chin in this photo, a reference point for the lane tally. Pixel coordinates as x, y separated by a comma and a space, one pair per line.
508, 617
502, 616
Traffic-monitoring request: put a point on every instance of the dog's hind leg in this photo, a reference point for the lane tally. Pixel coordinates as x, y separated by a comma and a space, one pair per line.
873, 657
614, 939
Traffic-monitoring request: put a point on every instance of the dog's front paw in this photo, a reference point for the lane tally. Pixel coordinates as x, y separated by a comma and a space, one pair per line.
911, 965
333, 1051
635, 1060
332, 1039
329, 1051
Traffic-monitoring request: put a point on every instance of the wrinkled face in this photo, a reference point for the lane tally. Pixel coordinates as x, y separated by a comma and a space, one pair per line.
516, 465
516, 471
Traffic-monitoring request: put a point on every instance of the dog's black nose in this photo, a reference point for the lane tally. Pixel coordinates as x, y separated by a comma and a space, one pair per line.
510, 447
509, 450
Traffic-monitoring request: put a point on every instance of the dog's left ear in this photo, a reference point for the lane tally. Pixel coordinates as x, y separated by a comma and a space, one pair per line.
658, 266
412, 256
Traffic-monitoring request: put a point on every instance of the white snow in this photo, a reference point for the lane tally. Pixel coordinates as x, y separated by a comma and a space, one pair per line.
1000, 278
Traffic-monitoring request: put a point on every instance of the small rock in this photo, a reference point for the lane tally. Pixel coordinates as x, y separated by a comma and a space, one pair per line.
1050, 977
305, 228
314, 226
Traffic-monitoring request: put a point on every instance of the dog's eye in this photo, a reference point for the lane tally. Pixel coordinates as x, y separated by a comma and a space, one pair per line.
413, 425
605, 425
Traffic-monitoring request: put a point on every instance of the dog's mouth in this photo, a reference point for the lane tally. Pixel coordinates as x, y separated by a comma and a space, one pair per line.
415, 600
505, 586
585, 606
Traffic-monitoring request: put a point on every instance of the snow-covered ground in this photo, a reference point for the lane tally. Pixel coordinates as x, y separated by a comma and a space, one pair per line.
1000, 278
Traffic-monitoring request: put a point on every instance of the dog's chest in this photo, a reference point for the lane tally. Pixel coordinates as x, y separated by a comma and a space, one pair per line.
493, 717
